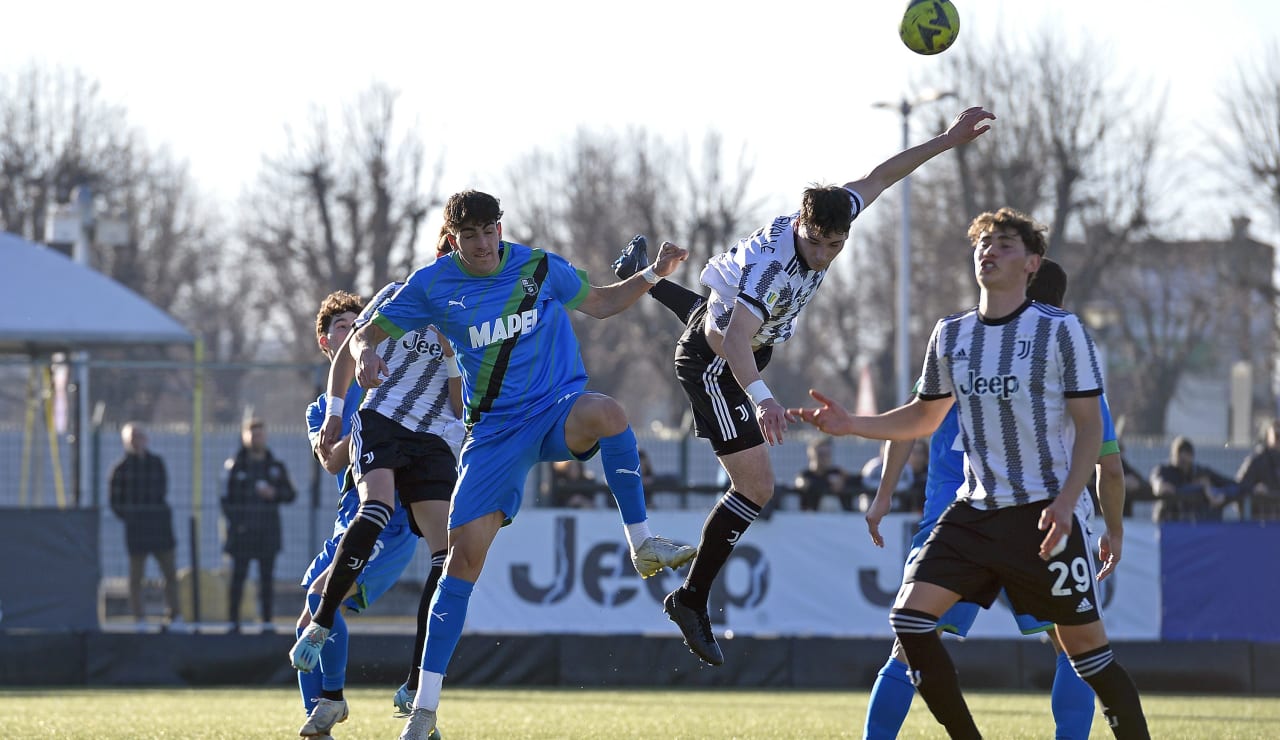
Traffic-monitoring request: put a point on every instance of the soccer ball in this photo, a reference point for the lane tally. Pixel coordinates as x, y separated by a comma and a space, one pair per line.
929, 26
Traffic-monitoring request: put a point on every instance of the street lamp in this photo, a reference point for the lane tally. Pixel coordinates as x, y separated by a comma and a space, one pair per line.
902, 361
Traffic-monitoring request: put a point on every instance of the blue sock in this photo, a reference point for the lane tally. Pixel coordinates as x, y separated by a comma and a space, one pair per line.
1072, 701
308, 683
890, 701
621, 460
444, 624
333, 656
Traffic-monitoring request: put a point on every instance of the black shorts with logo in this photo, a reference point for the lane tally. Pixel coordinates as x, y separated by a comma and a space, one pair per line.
722, 412
424, 466
976, 552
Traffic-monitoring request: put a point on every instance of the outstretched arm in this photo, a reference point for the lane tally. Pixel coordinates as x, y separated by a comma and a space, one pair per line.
602, 302
965, 128
919, 418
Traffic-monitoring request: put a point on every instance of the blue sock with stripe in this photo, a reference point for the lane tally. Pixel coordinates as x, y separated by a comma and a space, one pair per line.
890, 701
444, 624
308, 683
621, 460
1072, 702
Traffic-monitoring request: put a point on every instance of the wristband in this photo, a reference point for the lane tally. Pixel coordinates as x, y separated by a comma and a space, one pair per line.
333, 405
758, 392
451, 366
650, 276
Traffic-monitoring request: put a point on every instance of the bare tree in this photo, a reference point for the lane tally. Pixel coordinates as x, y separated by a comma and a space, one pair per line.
56, 133
1251, 106
338, 211
587, 200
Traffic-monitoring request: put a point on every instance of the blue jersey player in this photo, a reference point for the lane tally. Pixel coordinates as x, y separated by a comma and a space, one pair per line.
504, 306
322, 690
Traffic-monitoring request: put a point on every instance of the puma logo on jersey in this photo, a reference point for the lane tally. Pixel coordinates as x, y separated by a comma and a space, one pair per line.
503, 327
440, 615
635, 472
459, 302
995, 385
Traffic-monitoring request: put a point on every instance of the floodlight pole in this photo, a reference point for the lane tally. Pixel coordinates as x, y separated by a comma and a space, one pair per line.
80, 358
902, 354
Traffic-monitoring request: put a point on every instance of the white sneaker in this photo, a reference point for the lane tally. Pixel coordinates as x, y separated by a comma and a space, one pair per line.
324, 715
656, 553
421, 725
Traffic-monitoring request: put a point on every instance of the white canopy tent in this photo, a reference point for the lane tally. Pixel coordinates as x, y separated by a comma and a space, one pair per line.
50, 304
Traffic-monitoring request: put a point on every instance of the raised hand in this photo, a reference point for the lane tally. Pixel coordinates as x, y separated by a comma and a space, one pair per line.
968, 125
669, 257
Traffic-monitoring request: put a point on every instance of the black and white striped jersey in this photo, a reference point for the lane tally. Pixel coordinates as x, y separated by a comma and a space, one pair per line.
765, 273
415, 393
1011, 378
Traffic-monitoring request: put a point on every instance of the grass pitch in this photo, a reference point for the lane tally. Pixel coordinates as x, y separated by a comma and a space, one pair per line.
275, 712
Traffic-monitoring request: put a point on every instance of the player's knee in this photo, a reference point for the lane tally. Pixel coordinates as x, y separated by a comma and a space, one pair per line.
605, 416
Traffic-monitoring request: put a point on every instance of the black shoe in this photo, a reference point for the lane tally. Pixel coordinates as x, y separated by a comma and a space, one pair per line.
634, 258
696, 627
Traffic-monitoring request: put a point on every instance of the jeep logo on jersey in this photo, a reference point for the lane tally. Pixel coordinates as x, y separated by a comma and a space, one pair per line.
530, 285
995, 385
504, 327
423, 344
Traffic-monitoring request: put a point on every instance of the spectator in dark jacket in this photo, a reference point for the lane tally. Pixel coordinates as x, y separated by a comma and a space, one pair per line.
257, 483
1259, 476
1186, 492
139, 485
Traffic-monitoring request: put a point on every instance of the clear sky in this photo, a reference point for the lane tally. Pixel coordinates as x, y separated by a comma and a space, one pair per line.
794, 81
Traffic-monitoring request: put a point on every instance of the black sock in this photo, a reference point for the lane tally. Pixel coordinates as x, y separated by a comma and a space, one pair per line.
1121, 704
424, 613
932, 671
350, 557
335, 695
725, 525
678, 299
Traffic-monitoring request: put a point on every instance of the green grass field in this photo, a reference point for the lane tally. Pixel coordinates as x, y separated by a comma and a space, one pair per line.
249, 713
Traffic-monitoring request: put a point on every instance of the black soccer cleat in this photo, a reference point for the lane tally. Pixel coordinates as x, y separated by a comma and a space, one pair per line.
696, 628
634, 258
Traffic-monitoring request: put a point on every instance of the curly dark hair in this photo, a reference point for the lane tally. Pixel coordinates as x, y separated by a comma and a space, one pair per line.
1035, 236
470, 208
827, 209
335, 304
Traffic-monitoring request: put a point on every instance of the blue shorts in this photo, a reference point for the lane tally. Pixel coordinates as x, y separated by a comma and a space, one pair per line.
492, 467
391, 555
958, 620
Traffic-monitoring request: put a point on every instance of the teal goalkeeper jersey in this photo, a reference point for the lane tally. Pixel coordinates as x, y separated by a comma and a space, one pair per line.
516, 348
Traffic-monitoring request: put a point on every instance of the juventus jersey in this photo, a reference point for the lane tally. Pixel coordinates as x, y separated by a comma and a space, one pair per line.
416, 393
764, 272
1011, 378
